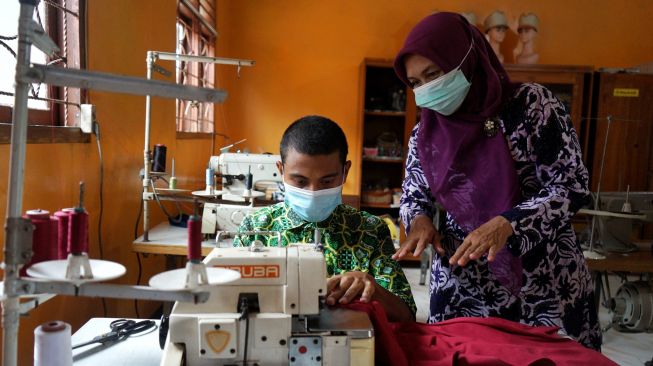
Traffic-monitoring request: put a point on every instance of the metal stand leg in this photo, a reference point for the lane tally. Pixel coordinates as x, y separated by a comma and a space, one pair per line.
424, 264
13, 260
598, 288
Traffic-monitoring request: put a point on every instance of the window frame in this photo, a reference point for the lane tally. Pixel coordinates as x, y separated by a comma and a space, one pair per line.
193, 16
60, 122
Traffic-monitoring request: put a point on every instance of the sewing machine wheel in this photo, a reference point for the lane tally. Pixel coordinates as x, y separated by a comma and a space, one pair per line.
632, 307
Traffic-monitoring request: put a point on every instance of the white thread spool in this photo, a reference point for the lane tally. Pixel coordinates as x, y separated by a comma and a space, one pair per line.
52, 344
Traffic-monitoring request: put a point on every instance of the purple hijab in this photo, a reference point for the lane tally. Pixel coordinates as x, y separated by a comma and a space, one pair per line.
470, 174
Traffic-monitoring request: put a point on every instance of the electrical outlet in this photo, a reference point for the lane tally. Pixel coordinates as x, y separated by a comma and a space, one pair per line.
87, 118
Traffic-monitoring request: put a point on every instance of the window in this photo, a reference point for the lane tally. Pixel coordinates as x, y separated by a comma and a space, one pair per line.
63, 21
196, 35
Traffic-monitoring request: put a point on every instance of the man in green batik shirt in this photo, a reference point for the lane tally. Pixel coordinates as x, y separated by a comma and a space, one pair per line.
357, 245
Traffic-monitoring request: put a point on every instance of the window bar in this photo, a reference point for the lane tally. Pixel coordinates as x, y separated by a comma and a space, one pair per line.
200, 17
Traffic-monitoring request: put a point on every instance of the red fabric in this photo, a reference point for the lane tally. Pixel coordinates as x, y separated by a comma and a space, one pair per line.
472, 341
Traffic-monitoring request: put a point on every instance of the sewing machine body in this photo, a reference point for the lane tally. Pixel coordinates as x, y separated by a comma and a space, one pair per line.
262, 166
290, 326
230, 166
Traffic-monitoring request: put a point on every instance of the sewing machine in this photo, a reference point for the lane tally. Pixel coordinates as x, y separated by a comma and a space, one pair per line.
233, 169
272, 315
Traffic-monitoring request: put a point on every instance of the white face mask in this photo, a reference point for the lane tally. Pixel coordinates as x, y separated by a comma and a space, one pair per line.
313, 206
446, 93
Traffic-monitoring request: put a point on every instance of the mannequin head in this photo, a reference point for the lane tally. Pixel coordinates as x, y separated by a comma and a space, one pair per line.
496, 22
497, 34
529, 25
527, 34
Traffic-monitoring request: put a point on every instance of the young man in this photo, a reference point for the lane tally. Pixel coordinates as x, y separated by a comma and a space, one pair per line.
357, 245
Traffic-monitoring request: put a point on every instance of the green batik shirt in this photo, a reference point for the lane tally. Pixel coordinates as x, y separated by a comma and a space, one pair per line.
353, 241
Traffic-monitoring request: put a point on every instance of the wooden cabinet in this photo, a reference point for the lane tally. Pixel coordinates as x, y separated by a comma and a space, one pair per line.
570, 84
628, 98
387, 117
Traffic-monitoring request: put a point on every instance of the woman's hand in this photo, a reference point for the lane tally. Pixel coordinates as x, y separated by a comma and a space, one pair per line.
488, 238
422, 233
345, 287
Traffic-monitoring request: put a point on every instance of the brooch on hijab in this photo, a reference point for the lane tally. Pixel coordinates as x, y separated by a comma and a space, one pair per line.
491, 127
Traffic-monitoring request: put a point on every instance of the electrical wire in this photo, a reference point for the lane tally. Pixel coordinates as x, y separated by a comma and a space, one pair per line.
11, 50
35, 92
59, 101
96, 131
8, 38
170, 217
244, 313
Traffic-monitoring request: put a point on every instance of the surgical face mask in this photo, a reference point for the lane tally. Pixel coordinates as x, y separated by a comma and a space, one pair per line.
446, 93
313, 206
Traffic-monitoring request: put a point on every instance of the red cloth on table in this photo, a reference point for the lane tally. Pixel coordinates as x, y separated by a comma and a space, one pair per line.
472, 341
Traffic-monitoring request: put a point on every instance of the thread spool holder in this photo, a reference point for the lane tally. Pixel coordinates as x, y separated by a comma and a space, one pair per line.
78, 267
18, 242
150, 61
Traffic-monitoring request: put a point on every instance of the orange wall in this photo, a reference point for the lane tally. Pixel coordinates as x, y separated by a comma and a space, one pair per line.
308, 53
308, 56
120, 33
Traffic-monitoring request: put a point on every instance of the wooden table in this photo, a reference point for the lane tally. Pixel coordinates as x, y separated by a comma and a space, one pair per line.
139, 349
635, 262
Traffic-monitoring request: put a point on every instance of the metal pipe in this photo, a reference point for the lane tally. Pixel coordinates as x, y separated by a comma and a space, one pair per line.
171, 56
58, 76
10, 305
112, 291
146, 150
597, 199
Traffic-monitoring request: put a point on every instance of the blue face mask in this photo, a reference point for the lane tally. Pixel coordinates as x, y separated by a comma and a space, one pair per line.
313, 206
446, 93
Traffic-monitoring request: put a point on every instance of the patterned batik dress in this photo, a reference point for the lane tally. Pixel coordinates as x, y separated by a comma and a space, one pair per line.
353, 241
557, 286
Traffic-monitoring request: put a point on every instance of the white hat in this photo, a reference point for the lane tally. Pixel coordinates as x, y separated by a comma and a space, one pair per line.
529, 20
496, 19
471, 17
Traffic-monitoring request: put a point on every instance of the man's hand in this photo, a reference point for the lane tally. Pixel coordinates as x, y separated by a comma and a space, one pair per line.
488, 238
345, 287
422, 233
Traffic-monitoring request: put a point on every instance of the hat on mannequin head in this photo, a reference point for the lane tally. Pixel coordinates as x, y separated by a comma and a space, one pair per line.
471, 17
496, 19
529, 20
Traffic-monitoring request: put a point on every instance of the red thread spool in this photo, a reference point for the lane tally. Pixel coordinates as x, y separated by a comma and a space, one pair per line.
195, 238
43, 237
78, 232
62, 218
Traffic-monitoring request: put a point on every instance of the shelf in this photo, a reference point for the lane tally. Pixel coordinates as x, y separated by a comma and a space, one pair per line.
377, 205
385, 113
383, 159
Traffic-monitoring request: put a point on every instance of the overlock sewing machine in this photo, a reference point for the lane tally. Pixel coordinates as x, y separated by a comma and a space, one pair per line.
233, 169
273, 315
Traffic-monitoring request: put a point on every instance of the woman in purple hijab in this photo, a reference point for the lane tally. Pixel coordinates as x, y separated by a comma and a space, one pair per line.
504, 162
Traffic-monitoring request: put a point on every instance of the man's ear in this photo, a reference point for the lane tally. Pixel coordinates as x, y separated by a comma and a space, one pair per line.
347, 166
280, 167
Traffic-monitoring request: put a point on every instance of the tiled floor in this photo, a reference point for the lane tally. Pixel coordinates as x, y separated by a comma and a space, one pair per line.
626, 349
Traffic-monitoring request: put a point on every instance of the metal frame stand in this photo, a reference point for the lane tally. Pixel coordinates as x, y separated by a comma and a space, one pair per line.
18, 239
152, 57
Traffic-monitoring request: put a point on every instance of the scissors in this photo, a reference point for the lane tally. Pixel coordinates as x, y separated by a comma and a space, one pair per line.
121, 329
